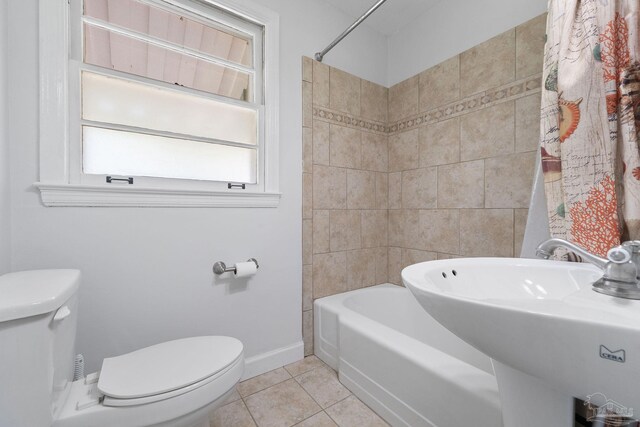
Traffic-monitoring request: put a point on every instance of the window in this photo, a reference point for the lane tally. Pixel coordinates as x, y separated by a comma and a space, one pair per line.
177, 96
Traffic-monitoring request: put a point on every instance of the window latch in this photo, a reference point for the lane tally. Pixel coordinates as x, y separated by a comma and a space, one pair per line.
230, 186
110, 179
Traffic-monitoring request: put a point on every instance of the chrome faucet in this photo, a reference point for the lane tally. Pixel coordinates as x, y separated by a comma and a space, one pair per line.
621, 268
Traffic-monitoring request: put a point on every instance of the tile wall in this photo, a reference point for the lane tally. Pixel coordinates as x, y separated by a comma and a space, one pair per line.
438, 166
345, 185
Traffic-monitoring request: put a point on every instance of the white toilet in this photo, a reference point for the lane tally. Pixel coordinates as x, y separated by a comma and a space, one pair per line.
176, 383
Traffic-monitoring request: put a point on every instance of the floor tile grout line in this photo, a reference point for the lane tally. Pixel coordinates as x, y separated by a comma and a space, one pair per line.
249, 411
342, 400
279, 382
291, 377
309, 394
310, 416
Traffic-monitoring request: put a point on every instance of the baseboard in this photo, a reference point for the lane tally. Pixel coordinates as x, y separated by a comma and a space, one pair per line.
265, 362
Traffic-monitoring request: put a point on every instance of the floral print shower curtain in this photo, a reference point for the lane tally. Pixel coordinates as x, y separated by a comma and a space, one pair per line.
590, 122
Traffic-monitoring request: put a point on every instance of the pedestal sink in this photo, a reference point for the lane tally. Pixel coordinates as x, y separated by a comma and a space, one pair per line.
551, 338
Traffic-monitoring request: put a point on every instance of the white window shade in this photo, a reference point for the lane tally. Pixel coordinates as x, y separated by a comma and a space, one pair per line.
122, 102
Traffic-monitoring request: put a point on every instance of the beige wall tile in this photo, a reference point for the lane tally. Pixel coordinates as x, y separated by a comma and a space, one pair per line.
375, 152
307, 332
285, 404
530, 46
307, 104
461, 185
374, 101
395, 190
448, 256
361, 268
233, 414
321, 142
344, 92
487, 232
346, 147
508, 180
488, 64
396, 227
528, 123
361, 189
440, 143
382, 264
412, 256
412, 229
440, 84
439, 231
320, 231
320, 84
307, 150
520, 223
488, 132
403, 151
307, 69
329, 274
382, 190
395, 265
329, 187
352, 412
307, 287
307, 195
374, 228
307, 241
403, 99
323, 386
344, 230
419, 188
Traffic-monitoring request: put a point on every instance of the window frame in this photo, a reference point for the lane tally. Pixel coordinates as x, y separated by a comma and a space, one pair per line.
61, 182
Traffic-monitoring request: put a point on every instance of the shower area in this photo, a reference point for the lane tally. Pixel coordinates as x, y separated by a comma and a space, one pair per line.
437, 166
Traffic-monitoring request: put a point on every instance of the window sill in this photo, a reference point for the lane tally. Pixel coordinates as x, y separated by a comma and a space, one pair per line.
120, 196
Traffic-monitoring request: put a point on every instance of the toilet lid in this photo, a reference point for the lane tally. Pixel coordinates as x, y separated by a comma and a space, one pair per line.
167, 366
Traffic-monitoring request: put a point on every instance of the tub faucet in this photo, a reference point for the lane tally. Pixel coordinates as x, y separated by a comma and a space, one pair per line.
621, 268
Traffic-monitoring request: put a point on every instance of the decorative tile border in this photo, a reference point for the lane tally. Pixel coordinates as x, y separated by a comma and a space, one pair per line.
515, 90
344, 119
511, 91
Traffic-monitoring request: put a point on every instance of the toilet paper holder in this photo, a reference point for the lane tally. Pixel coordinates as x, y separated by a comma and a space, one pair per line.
220, 267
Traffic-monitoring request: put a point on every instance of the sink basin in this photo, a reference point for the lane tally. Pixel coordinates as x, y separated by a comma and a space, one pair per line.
551, 338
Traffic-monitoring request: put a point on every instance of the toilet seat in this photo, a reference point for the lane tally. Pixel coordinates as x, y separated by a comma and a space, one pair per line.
166, 370
85, 405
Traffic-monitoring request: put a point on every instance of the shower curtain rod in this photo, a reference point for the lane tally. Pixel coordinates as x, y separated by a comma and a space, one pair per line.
320, 55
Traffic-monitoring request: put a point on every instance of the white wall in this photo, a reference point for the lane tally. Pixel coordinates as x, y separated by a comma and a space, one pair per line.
147, 272
5, 230
451, 27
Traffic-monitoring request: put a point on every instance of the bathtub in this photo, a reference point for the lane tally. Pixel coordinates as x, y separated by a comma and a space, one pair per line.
402, 363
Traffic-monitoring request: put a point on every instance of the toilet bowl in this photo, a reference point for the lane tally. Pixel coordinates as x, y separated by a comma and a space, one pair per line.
175, 383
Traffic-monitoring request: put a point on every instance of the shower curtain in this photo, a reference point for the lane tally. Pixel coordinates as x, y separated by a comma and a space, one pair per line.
590, 118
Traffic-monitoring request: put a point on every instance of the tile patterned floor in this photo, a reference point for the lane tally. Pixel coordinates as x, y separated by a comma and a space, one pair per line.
304, 394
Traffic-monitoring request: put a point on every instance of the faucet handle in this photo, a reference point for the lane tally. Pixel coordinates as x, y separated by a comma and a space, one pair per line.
619, 254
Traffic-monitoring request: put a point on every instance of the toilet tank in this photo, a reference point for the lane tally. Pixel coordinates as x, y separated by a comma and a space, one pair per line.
38, 318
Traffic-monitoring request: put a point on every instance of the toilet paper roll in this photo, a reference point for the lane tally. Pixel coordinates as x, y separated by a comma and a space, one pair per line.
245, 269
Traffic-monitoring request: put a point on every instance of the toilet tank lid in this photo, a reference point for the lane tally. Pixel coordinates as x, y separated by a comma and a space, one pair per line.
30, 293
